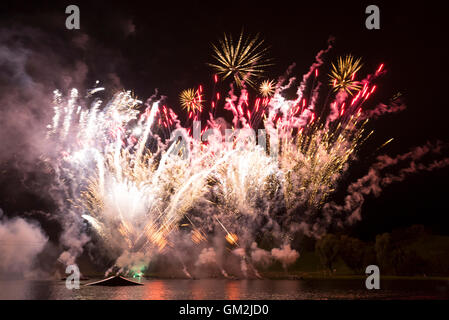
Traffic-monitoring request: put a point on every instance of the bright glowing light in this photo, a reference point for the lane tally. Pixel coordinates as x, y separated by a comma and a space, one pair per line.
267, 88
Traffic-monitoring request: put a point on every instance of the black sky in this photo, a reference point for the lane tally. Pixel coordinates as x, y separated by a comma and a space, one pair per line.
170, 45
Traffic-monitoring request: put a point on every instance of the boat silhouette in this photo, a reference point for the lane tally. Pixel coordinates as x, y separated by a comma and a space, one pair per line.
115, 281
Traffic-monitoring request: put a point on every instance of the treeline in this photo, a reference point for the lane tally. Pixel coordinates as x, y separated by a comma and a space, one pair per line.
408, 251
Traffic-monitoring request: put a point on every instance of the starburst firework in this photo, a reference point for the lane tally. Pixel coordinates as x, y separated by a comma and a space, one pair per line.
342, 76
191, 100
243, 60
266, 88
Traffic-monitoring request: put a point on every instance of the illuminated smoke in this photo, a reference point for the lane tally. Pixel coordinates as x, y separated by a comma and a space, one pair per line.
375, 180
286, 255
20, 241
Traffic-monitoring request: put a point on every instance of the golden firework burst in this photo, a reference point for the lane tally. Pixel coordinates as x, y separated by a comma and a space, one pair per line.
243, 60
342, 75
191, 100
266, 88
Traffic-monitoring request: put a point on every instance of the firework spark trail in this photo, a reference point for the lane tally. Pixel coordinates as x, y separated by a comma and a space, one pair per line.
148, 124
375, 181
280, 82
318, 63
382, 109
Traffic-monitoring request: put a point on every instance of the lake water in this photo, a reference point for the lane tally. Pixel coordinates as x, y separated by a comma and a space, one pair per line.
161, 289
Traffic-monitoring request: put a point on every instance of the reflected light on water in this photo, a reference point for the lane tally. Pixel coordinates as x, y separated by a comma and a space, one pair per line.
155, 290
233, 289
198, 292
164, 289
119, 293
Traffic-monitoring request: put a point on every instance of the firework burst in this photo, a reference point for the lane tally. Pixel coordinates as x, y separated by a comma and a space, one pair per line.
243, 60
137, 188
191, 100
342, 76
267, 88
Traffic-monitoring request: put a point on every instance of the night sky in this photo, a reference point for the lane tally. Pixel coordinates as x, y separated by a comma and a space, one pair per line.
165, 45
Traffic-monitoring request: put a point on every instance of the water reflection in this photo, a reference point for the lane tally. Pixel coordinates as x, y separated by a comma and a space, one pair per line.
233, 289
18, 289
155, 290
198, 293
160, 289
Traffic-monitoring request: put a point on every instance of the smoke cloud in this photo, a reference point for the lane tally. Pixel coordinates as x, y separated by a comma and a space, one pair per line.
375, 181
286, 255
20, 243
